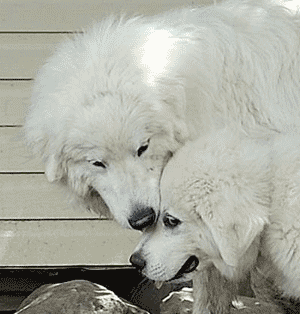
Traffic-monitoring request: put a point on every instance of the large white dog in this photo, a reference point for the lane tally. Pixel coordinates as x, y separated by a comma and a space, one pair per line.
224, 199
112, 105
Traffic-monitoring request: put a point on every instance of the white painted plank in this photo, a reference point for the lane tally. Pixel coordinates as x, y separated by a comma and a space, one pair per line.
14, 100
31, 196
57, 243
66, 15
15, 156
22, 55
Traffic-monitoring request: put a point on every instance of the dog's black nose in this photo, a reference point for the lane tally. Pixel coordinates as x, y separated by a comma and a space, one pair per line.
137, 261
142, 217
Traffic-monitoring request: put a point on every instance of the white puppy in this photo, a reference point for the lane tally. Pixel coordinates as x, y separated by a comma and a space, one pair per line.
224, 199
113, 104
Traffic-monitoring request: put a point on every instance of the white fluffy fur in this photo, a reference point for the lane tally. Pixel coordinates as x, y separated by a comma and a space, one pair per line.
234, 197
166, 78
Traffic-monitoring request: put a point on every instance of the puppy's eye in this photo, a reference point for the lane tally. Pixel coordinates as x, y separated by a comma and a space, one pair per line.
170, 221
143, 148
97, 163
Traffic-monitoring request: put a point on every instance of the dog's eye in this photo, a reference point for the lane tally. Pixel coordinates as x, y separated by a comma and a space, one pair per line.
142, 149
98, 163
170, 221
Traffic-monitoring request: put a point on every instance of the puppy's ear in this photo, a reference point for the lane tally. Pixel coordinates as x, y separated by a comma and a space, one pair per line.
53, 168
234, 226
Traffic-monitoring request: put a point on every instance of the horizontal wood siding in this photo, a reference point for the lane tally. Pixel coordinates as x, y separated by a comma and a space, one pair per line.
38, 225
64, 242
67, 15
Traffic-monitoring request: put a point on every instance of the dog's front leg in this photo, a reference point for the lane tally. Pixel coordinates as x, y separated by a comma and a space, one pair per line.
213, 294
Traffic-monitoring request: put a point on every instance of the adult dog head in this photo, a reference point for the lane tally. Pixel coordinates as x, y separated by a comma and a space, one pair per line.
215, 197
107, 114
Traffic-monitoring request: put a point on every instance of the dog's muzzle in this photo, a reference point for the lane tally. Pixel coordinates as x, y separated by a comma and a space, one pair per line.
189, 266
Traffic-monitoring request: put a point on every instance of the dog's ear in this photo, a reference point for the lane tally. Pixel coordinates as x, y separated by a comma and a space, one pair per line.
235, 225
53, 168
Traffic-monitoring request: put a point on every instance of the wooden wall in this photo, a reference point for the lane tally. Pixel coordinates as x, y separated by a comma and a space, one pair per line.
38, 227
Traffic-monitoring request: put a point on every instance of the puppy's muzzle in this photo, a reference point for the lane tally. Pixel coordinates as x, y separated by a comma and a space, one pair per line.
137, 261
142, 218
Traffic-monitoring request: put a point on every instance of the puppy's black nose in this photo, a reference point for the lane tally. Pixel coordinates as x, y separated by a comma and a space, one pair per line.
142, 217
137, 261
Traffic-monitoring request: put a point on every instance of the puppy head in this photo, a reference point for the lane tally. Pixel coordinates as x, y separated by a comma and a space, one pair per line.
215, 195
